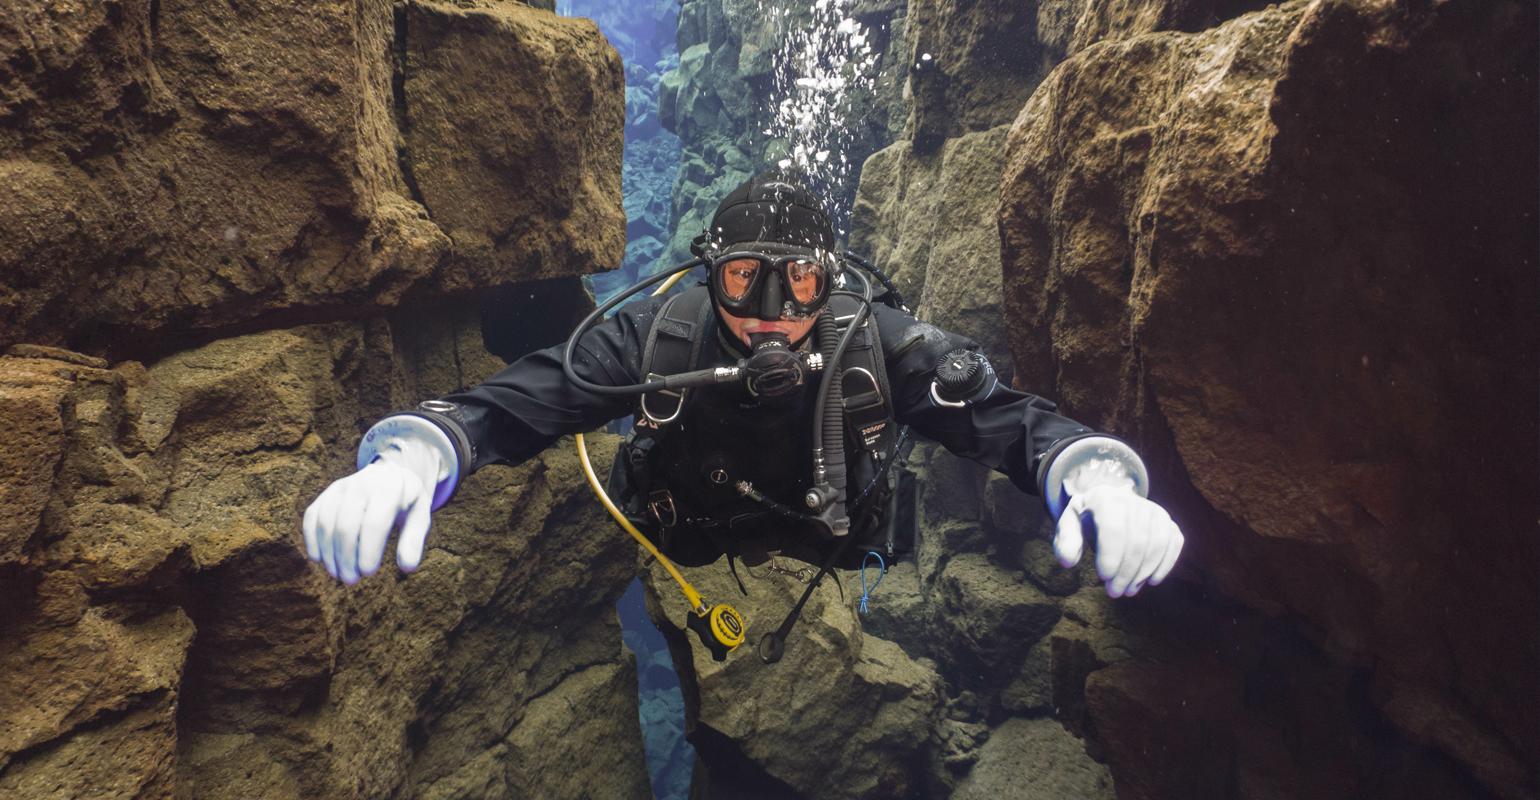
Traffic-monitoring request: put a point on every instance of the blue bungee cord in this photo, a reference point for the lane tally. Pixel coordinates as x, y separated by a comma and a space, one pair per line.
867, 593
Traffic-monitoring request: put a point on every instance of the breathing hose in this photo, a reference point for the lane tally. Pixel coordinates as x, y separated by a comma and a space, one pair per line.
721, 627
828, 492
672, 277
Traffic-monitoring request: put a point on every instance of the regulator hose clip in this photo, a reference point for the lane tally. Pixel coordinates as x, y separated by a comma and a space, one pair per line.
720, 629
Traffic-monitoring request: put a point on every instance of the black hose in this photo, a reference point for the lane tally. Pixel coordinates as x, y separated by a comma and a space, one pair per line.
826, 429
887, 284
832, 414
866, 285
747, 490
598, 314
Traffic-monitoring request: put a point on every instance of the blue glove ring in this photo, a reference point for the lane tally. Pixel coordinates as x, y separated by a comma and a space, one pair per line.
410, 426
1075, 452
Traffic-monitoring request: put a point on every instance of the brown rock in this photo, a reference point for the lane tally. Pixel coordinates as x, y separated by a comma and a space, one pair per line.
297, 686
1282, 256
984, 68
1088, 638
515, 118
928, 221
1035, 760
100, 673
1158, 722
34, 400
584, 708
986, 620
860, 728
175, 167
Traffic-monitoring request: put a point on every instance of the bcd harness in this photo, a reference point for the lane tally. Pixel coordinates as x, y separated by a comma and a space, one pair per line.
769, 372
674, 345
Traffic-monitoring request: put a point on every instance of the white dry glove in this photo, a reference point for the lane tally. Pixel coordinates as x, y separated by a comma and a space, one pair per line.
1136, 541
346, 528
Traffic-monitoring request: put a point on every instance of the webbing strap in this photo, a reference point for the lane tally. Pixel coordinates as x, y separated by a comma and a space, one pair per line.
674, 346
864, 381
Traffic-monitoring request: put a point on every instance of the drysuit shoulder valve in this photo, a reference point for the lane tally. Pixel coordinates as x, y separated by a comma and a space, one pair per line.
959, 375
720, 629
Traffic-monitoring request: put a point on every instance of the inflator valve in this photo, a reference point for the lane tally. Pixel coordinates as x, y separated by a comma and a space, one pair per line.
959, 374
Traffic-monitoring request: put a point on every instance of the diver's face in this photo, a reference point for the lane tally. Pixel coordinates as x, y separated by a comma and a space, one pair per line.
742, 327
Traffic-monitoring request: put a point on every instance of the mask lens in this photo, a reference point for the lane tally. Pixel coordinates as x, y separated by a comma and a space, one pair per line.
806, 279
738, 276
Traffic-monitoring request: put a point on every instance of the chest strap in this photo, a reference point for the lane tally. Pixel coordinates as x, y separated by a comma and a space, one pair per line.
864, 381
673, 346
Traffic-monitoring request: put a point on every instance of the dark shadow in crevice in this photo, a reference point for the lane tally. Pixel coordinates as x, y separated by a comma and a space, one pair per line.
398, 93
722, 771
519, 319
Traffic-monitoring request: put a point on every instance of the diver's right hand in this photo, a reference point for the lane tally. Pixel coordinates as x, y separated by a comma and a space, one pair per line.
346, 528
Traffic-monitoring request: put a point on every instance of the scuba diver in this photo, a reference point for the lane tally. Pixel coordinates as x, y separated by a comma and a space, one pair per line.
771, 404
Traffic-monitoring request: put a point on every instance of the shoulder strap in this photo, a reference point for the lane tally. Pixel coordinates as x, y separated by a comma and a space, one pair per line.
674, 346
864, 380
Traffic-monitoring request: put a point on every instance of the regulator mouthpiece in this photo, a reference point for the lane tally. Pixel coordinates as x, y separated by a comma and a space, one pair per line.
773, 372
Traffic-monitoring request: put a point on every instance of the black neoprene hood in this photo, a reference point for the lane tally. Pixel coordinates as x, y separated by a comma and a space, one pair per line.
772, 208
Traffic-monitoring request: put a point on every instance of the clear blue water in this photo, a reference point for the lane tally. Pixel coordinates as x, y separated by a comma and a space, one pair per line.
670, 759
643, 33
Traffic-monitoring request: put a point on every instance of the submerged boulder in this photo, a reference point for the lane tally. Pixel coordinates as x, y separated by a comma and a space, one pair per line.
1292, 258
176, 168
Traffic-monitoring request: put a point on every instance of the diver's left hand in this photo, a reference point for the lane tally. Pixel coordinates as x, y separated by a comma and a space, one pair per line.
1136, 541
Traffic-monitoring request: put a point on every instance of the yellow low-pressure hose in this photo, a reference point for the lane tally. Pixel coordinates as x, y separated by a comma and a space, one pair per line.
593, 480
696, 603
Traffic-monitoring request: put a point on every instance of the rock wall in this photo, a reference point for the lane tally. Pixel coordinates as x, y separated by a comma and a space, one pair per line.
1292, 257
1332, 637
167, 630
213, 189
177, 168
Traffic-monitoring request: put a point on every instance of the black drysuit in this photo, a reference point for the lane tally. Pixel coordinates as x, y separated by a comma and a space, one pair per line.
526, 407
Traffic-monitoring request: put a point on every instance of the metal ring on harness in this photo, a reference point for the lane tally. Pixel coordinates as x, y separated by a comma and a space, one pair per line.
660, 501
677, 408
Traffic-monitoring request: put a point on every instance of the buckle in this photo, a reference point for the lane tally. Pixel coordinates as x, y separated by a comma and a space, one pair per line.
656, 419
661, 503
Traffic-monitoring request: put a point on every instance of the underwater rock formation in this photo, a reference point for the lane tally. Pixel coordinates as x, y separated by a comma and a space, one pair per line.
172, 167
167, 629
182, 173
928, 220
1293, 258
842, 715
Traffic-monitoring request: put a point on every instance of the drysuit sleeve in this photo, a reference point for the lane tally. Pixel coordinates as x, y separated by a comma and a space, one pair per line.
1005, 430
528, 405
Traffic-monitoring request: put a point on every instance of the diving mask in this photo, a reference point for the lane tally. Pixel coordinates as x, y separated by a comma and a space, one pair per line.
748, 283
